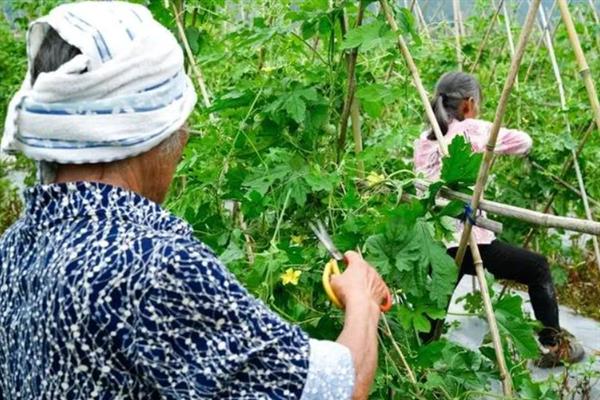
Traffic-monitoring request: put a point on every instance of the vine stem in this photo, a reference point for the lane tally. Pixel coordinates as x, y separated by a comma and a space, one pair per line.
409, 371
564, 183
504, 375
486, 36
280, 219
351, 85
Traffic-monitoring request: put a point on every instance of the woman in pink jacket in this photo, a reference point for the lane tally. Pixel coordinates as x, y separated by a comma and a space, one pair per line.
456, 105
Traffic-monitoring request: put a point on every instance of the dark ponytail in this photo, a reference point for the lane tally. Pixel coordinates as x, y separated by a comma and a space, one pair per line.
450, 91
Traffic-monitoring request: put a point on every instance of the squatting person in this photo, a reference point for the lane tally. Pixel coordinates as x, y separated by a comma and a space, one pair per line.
456, 104
104, 294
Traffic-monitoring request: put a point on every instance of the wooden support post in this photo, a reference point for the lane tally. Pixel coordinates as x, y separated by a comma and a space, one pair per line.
491, 318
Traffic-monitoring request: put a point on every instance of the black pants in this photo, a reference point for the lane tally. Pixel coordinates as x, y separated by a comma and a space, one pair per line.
517, 264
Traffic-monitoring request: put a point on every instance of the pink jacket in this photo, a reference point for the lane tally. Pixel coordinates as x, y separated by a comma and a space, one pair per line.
428, 160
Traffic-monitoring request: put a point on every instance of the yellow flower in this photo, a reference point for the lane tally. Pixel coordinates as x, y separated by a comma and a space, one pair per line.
298, 239
374, 179
291, 276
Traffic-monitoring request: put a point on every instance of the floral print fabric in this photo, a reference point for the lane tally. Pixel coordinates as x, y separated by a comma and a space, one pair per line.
105, 295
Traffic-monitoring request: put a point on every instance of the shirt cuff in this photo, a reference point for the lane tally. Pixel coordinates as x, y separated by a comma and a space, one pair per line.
330, 372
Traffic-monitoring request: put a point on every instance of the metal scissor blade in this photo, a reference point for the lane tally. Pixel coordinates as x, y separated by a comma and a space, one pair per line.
321, 234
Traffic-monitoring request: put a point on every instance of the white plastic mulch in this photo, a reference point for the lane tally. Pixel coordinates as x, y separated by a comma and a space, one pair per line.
471, 331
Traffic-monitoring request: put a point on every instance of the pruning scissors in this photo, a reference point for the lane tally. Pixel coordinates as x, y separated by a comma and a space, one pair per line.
332, 268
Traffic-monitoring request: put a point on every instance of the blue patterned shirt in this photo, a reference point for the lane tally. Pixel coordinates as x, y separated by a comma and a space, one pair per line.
105, 295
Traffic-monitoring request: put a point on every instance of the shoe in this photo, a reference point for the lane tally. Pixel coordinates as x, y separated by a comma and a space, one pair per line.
567, 351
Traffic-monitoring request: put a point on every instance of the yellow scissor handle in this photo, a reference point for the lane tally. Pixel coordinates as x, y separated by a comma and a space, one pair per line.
331, 268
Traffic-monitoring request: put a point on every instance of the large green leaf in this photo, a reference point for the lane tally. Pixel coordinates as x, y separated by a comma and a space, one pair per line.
514, 326
461, 166
369, 36
416, 261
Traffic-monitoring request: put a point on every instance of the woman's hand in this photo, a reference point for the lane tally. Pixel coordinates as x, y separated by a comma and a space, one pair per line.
361, 291
359, 283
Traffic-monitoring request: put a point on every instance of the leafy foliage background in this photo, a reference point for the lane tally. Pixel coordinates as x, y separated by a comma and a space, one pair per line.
265, 164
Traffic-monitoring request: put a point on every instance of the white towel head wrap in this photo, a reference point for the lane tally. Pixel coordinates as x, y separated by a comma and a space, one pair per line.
125, 93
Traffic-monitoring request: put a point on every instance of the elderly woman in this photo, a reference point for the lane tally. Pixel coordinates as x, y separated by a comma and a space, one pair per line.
104, 294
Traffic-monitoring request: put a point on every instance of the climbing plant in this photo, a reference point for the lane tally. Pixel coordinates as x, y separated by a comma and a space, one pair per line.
263, 161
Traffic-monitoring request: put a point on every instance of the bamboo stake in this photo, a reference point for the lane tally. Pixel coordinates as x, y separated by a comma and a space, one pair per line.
415, 75
484, 222
486, 36
541, 42
584, 69
190, 55
504, 374
421, 18
594, 13
519, 213
351, 63
550, 47
563, 104
509, 35
489, 150
457, 33
467, 235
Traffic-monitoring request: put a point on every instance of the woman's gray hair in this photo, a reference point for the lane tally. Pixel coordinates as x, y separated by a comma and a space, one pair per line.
450, 91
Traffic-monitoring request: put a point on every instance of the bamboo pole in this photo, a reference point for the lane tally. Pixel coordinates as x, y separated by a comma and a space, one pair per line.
190, 55
483, 222
563, 104
486, 36
421, 17
457, 34
489, 150
594, 13
415, 75
550, 47
519, 213
584, 69
467, 236
505, 377
541, 42
509, 35
351, 85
